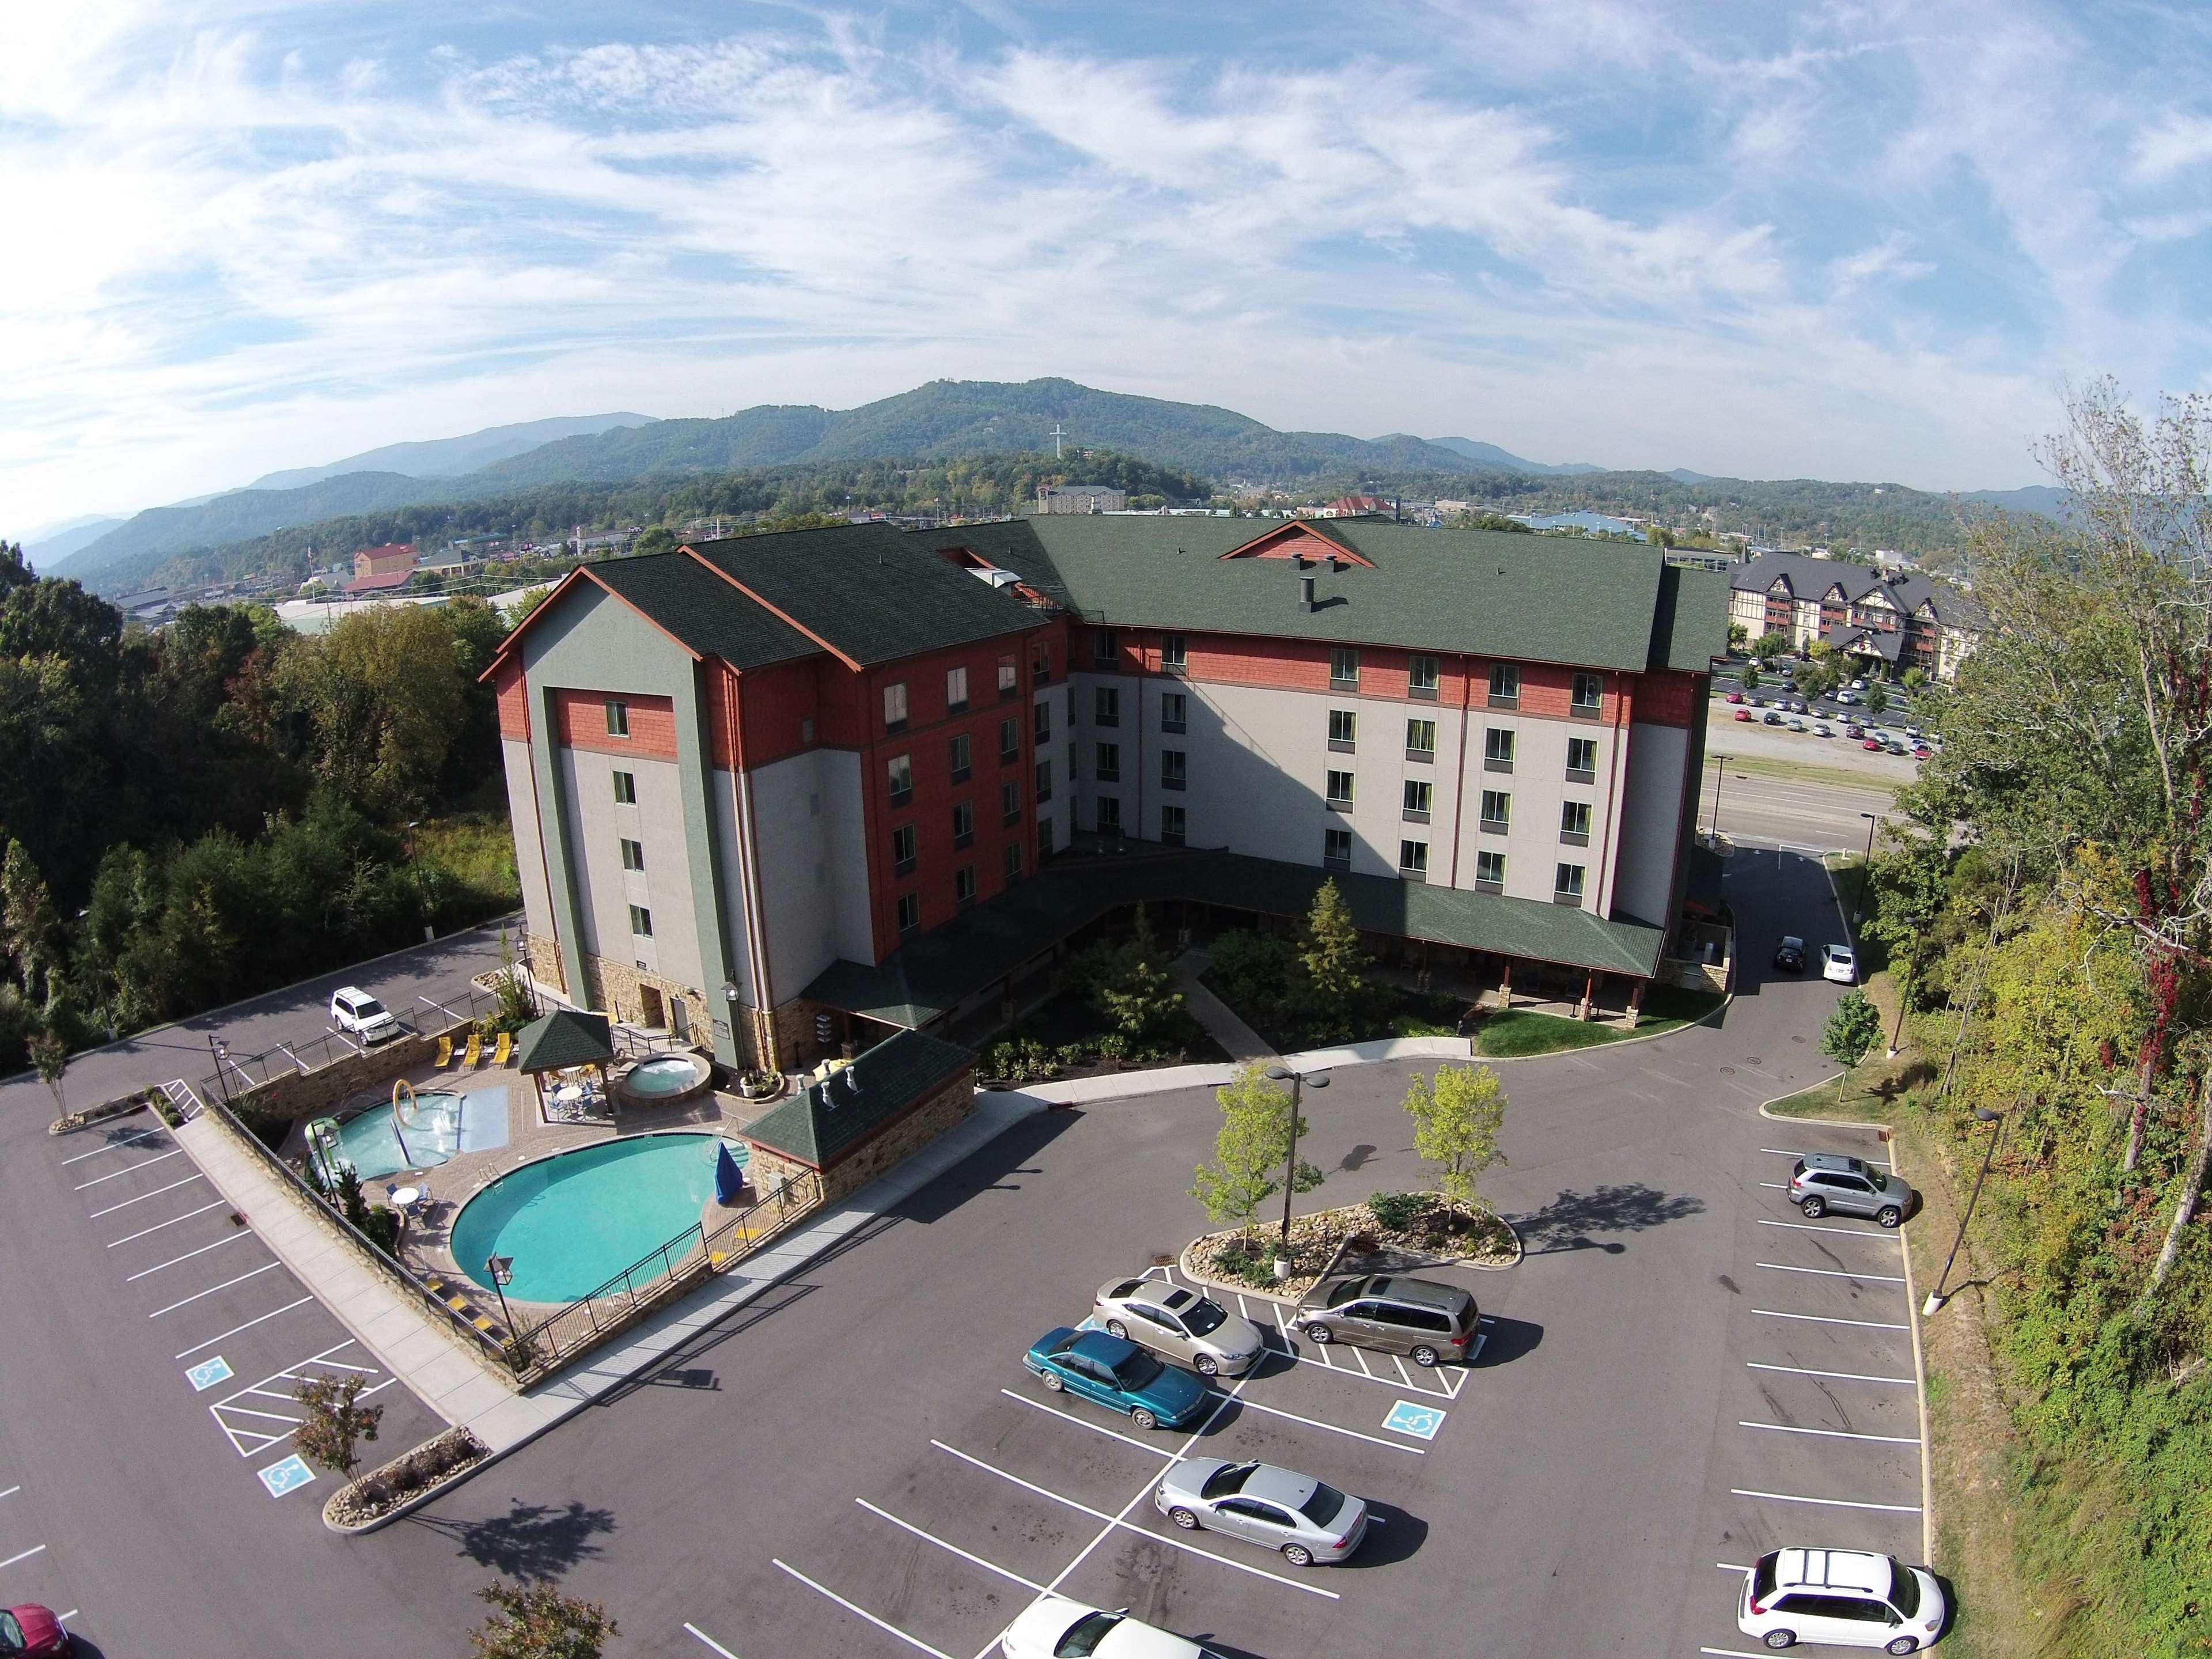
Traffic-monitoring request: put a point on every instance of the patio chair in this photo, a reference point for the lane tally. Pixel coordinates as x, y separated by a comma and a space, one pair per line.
445, 1053
475, 1051
502, 1049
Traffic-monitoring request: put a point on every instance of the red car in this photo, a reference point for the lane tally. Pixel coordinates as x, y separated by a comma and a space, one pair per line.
1743, 713
1871, 742
32, 1633
1735, 697
1921, 752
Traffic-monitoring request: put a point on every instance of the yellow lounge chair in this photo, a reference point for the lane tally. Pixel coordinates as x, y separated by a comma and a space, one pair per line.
474, 1053
445, 1052
502, 1049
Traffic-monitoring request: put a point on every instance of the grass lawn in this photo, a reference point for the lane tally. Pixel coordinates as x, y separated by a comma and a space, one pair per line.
477, 850
1516, 1033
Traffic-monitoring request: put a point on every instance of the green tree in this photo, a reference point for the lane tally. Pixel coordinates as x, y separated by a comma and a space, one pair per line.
537, 1621
32, 931
1748, 677
1738, 637
1769, 646
658, 539
336, 1423
49, 1052
1876, 698
1456, 1118
1332, 958
1916, 678
1250, 1150
1140, 997
1853, 1028
385, 694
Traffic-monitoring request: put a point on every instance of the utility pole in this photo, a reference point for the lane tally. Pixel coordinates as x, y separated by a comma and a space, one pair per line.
1983, 1115
1866, 870
1720, 765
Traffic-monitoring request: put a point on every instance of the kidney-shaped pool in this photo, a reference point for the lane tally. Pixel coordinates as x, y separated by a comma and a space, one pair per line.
573, 1221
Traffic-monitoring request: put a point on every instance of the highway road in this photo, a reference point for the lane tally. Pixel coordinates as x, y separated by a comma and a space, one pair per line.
1759, 807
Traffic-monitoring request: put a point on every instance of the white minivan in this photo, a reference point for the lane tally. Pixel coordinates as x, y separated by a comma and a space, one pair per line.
354, 1010
1848, 1598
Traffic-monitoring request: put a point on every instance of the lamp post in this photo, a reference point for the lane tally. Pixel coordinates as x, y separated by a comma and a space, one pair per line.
1720, 768
1866, 869
219, 1051
1319, 1080
501, 1269
1996, 1120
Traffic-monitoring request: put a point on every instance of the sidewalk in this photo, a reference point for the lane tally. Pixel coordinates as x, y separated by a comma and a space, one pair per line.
1220, 1020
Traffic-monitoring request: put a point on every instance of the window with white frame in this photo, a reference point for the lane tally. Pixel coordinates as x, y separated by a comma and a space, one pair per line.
895, 707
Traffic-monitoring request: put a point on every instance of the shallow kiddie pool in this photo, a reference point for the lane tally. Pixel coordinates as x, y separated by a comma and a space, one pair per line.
573, 1221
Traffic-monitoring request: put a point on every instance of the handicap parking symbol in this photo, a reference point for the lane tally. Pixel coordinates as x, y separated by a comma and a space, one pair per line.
1421, 1422
281, 1478
209, 1372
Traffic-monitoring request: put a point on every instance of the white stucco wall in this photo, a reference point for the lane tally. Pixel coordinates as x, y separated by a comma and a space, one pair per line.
809, 826
529, 846
1658, 757
604, 889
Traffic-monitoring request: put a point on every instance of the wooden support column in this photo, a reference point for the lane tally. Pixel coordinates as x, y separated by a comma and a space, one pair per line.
1636, 1003
1590, 995
1505, 985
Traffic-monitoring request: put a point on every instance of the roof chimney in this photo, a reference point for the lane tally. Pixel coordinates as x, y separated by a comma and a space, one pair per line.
1306, 601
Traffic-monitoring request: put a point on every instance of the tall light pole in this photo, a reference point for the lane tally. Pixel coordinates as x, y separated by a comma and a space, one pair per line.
501, 1269
220, 1051
1319, 1080
1720, 766
1996, 1120
1866, 869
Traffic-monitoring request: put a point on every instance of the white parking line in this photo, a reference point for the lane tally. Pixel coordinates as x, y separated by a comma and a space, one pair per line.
1114, 1521
1315, 1423
248, 1326
988, 1567
709, 1640
850, 1606
34, 1550
1095, 1428
1785, 1152
11, 1491
1833, 1434
1832, 1273
1834, 1503
79, 1157
1730, 1653
1846, 1377
1821, 1319
1850, 1232
143, 1163
171, 1222
1730, 1566
1362, 1359
145, 1271
1449, 1382
143, 1197
212, 1289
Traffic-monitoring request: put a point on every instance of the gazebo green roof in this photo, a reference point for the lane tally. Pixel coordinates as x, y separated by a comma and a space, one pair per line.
560, 1039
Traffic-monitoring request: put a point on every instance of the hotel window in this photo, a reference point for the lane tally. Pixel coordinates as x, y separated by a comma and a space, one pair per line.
1339, 791
1574, 823
909, 912
955, 755
1173, 768
895, 707
625, 789
1109, 815
1343, 665
1041, 665
1418, 795
1582, 760
1490, 873
633, 854
1421, 740
1567, 884
903, 849
1043, 721
618, 719
1009, 802
1009, 680
1044, 840
640, 921
1343, 731
1106, 708
1413, 860
1588, 694
1175, 651
1497, 750
963, 824
1010, 742
1010, 863
1505, 685
1109, 769
1175, 707
1496, 810
1043, 782
902, 778
1105, 647
1336, 848
956, 689
1171, 826
1421, 676
964, 885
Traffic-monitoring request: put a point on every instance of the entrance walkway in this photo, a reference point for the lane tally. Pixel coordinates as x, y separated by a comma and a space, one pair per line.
1220, 1020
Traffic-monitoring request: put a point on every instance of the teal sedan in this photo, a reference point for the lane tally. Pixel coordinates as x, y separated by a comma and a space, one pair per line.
1117, 1374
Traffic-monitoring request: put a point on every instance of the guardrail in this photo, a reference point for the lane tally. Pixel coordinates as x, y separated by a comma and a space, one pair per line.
237, 1072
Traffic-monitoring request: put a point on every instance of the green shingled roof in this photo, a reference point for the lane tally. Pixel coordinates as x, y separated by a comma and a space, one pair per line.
703, 610
824, 1120
563, 1038
935, 973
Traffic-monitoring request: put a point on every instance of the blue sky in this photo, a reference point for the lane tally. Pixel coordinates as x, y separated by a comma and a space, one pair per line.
1850, 240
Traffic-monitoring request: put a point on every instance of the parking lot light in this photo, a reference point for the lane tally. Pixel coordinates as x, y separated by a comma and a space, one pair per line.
501, 1269
1281, 1073
1996, 1120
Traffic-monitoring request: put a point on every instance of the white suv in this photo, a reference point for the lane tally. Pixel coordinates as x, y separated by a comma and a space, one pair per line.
356, 1011
1847, 1598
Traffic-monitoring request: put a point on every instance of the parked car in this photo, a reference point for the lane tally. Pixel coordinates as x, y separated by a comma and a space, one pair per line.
31, 1632
1859, 684
1871, 742
1743, 714
1853, 729
1797, 706
1893, 747
1790, 955
1424, 1320
1169, 1319
1771, 717
1299, 1517
1847, 698
1849, 1598
1735, 697
1824, 730
1117, 1374
1821, 1182
1798, 725
1837, 963
1053, 1627
354, 1010
1921, 752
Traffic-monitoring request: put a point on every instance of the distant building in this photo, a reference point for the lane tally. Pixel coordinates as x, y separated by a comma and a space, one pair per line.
1891, 623
1081, 498
378, 568
1353, 507
604, 541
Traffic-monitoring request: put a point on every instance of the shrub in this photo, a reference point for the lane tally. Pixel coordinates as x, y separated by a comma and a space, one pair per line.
1412, 1025
1396, 1212
1113, 1049
1069, 1055
1258, 973
335, 1424
1002, 1061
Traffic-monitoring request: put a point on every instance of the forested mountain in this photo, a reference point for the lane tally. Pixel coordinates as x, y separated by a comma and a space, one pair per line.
448, 457
1506, 461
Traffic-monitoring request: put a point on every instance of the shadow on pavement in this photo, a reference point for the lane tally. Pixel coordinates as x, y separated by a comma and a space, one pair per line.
680, 1368
988, 1168
1504, 1340
1567, 1221
1393, 1535
537, 1542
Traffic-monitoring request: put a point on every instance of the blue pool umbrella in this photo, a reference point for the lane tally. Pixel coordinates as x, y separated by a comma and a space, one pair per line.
729, 1180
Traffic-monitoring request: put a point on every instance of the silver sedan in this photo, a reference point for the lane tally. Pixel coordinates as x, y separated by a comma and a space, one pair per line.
1181, 1324
1302, 1519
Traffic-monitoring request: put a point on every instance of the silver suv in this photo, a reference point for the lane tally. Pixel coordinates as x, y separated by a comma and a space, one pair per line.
1821, 1182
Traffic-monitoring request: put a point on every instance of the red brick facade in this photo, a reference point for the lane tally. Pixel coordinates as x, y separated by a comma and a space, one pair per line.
579, 721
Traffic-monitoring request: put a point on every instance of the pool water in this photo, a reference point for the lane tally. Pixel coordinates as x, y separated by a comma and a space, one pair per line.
671, 1075
573, 1221
442, 1123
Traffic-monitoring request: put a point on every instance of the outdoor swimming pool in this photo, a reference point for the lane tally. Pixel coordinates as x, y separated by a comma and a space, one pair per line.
573, 1221
442, 1123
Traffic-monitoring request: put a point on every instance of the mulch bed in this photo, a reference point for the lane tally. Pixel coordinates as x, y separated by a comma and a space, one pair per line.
1438, 1233
431, 1465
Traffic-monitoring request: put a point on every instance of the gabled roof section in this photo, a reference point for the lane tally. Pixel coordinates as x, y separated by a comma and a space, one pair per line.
697, 609
824, 1121
1309, 539
867, 593
565, 1038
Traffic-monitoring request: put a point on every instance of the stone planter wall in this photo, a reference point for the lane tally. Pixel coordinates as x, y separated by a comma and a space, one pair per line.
293, 1095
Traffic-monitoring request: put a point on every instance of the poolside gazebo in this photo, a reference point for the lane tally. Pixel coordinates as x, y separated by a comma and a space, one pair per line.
560, 1042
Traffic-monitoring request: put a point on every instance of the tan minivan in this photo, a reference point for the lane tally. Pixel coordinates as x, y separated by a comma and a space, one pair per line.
1428, 1322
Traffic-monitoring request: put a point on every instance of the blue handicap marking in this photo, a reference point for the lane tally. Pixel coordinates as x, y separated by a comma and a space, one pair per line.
1421, 1422
281, 1478
207, 1373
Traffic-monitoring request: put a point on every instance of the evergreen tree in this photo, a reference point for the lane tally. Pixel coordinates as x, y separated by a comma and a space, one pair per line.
32, 931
